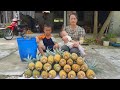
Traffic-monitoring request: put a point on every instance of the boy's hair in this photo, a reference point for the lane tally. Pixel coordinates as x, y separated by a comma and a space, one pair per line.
48, 24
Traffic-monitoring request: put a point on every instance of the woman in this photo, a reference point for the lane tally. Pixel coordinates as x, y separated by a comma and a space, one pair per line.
75, 32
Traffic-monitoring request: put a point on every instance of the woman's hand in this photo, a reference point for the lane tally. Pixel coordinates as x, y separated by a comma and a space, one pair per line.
76, 44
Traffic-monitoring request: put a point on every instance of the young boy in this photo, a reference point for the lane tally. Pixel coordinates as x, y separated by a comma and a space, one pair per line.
69, 42
47, 39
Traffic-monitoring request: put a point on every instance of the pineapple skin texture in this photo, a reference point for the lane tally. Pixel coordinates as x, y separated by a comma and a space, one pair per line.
38, 65
90, 74
50, 59
36, 74
76, 67
63, 74
52, 74
81, 75
31, 66
57, 58
28, 73
66, 55
67, 68
70, 61
71, 75
44, 74
74, 56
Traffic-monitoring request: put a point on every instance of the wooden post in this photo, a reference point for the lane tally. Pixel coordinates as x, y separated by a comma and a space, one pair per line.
6, 16
105, 24
65, 18
95, 24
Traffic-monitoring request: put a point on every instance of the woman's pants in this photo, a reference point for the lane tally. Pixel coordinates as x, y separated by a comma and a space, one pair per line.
72, 50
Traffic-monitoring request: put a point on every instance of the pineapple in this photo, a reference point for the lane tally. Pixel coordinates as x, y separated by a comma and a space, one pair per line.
62, 62
76, 67
63, 74
57, 55
47, 67
84, 67
52, 74
44, 74
90, 74
57, 67
70, 61
38, 65
57, 58
66, 55
80, 61
50, 59
71, 75
36, 73
67, 68
74, 56
31, 66
28, 73
81, 75
30, 61
44, 59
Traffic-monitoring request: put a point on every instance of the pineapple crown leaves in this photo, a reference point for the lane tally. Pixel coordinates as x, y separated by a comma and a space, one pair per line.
93, 65
49, 52
38, 57
28, 59
58, 51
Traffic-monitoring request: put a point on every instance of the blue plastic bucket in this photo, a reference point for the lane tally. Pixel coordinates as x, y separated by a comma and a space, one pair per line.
27, 46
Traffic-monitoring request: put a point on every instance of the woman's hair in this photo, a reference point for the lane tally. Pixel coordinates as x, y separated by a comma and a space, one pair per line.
74, 15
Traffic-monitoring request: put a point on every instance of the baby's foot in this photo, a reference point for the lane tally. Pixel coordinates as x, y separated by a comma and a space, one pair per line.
83, 55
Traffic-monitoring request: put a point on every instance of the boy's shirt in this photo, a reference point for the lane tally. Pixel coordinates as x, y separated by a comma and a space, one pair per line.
48, 42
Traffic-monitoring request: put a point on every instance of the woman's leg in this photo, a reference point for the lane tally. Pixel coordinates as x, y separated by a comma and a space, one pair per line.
65, 48
75, 50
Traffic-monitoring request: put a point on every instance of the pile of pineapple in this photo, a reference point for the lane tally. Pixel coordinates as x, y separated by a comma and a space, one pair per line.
64, 64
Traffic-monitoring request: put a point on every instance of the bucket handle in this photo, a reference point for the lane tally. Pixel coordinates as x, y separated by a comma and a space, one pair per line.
27, 37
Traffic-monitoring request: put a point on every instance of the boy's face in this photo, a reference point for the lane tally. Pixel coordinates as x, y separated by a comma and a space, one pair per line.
47, 30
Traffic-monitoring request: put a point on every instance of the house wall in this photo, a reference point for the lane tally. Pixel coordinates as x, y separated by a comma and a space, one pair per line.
115, 23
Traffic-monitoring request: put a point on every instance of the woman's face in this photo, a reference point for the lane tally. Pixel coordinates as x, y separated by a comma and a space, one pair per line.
73, 20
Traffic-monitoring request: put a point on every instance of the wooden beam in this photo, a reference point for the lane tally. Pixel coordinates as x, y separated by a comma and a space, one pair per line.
105, 24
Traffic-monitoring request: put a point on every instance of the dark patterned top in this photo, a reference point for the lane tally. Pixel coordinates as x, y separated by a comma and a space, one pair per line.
75, 34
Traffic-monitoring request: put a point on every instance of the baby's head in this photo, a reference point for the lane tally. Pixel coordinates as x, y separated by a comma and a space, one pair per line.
63, 33
65, 39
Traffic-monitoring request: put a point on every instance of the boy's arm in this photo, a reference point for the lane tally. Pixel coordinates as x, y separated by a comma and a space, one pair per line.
55, 42
37, 39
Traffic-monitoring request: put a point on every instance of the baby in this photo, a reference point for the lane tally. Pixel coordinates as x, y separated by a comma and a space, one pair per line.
69, 42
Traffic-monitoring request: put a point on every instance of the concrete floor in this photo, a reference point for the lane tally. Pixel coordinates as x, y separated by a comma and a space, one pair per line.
107, 57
